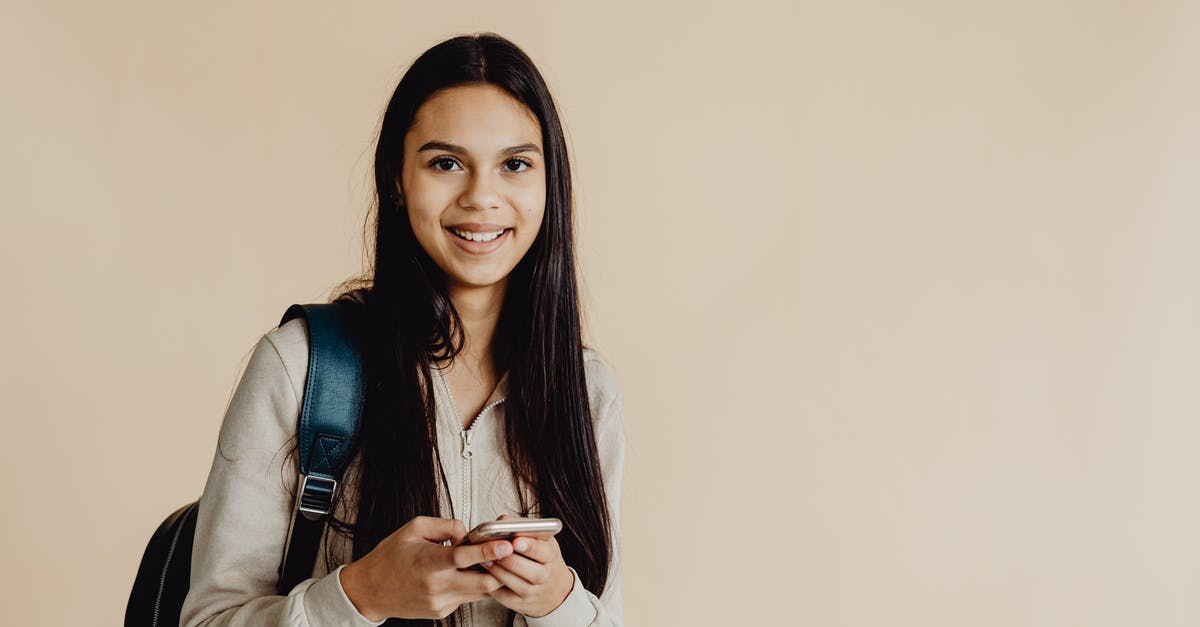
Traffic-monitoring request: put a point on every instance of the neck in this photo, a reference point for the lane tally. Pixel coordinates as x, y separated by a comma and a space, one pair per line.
479, 309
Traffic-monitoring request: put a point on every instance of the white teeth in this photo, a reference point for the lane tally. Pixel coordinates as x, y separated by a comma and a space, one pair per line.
478, 237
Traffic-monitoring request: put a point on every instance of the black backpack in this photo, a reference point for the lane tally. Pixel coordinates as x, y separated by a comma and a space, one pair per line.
328, 424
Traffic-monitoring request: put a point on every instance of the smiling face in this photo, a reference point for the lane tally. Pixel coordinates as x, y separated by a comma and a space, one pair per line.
474, 182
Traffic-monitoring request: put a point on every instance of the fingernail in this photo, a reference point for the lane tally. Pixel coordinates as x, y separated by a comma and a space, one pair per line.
521, 544
503, 549
488, 564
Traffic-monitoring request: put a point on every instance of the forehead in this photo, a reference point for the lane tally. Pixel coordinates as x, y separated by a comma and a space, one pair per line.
479, 116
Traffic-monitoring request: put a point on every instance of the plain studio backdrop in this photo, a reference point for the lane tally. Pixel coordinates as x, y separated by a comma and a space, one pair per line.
904, 297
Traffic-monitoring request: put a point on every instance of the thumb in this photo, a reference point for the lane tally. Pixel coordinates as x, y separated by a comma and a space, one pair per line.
470, 554
437, 529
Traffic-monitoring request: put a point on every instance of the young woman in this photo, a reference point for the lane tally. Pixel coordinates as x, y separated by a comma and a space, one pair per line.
481, 401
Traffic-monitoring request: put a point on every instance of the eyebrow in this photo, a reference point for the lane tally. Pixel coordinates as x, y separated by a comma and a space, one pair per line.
447, 146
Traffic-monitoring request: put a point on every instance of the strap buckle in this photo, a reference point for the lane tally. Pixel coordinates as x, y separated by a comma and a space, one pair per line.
316, 496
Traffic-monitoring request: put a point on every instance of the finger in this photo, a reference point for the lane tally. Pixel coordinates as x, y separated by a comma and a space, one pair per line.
474, 583
467, 555
458, 533
541, 551
437, 529
511, 580
533, 573
506, 597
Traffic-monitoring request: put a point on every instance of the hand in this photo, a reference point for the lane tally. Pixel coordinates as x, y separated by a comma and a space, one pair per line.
412, 574
536, 580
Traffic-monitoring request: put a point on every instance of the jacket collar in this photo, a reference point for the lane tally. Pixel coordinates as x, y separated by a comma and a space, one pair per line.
442, 387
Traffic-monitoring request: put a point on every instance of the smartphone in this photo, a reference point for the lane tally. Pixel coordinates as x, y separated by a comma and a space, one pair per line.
540, 528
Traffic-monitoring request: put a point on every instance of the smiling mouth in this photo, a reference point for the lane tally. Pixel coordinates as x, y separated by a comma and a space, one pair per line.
481, 238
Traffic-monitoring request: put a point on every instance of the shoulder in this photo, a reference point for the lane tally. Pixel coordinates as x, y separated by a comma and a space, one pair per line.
608, 420
290, 341
603, 391
262, 411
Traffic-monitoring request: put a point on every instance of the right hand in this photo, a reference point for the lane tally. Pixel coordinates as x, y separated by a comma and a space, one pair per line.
411, 574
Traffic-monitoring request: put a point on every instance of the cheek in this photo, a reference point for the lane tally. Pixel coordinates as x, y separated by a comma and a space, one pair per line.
422, 201
427, 230
533, 210
531, 223
422, 219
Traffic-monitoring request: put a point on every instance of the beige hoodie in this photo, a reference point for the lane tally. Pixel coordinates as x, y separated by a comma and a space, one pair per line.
245, 509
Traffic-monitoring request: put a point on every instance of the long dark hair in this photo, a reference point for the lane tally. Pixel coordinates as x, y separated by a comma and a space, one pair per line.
409, 323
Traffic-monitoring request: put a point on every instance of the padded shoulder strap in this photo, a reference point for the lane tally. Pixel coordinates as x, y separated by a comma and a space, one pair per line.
333, 389
329, 416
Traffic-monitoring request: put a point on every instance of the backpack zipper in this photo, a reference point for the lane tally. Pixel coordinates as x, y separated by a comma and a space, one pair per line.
162, 581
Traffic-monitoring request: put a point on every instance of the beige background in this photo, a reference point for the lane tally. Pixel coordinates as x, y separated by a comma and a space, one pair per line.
904, 297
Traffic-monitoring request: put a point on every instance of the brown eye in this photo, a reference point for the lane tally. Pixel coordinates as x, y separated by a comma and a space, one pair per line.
436, 164
519, 163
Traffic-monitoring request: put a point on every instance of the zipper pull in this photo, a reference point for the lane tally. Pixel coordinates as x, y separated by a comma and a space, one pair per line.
467, 453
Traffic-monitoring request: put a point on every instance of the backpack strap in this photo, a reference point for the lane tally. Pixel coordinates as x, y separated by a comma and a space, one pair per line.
332, 405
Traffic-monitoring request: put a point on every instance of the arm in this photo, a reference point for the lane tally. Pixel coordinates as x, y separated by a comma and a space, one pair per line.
581, 607
245, 511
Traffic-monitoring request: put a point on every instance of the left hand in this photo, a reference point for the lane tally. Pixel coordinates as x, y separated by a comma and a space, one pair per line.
536, 580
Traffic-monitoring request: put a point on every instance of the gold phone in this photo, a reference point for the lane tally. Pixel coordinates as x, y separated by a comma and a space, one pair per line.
540, 528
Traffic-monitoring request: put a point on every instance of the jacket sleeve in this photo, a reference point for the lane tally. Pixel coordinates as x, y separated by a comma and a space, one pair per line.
245, 511
581, 608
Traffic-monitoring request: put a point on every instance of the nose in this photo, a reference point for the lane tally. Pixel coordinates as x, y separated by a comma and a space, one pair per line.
481, 192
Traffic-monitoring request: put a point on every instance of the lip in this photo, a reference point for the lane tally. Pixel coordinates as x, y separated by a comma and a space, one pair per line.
479, 248
477, 227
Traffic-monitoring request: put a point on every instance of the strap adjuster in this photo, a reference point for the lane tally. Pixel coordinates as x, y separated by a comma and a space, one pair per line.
316, 496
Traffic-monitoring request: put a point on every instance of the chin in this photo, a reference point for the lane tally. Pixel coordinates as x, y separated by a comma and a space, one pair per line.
478, 281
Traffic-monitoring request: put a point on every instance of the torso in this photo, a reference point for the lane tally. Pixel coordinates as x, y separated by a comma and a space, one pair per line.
470, 389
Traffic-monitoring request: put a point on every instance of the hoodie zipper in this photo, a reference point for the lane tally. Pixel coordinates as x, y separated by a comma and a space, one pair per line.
467, 454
